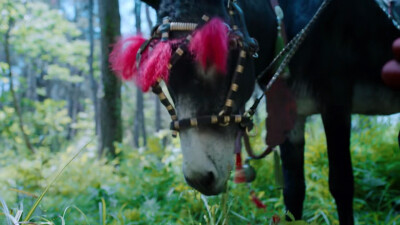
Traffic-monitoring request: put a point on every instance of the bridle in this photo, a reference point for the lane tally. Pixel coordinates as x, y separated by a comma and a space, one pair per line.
247, 47
239, 40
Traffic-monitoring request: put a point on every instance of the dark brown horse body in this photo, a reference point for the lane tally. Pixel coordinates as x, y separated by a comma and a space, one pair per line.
336, 72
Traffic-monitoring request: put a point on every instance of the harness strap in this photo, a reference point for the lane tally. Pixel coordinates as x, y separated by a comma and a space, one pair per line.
250, 151
243, 121
232, 93
279, 14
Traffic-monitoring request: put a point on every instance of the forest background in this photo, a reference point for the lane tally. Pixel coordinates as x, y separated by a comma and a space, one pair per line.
58, 99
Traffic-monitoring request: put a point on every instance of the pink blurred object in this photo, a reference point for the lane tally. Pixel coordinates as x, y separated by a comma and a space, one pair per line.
123, 57
156, 66
209, 45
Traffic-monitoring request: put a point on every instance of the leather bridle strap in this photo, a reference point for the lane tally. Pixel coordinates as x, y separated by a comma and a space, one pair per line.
281, 24
241, 120
250, 151
233, 91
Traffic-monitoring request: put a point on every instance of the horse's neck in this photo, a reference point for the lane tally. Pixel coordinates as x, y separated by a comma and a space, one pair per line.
340, 13
261, 24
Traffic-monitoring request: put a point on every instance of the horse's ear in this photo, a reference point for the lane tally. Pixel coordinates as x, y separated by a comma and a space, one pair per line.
153, 3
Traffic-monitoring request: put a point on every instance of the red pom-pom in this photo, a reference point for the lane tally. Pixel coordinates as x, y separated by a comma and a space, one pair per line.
396, 49
391, 74
210, 45
155, 66
123, 57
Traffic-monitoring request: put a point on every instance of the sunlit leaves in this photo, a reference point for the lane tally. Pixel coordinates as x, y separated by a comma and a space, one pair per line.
44, 37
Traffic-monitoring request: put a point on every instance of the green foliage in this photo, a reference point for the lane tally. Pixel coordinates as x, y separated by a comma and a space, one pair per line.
146, 186
46, 126
46, 35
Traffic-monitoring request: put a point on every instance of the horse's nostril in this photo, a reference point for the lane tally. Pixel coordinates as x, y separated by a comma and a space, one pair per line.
203, 183
208, 179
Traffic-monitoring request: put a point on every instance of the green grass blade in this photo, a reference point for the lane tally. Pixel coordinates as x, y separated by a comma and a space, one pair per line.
77, 209
36, 204
104, 210
5, 210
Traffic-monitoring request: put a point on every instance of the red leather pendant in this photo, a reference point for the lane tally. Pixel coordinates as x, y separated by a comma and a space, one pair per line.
396, 49
391, 74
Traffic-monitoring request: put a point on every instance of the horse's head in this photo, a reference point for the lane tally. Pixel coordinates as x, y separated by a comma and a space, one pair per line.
199, 82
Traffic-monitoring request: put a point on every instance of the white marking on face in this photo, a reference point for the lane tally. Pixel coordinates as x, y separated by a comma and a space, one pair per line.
208, 74
205, 151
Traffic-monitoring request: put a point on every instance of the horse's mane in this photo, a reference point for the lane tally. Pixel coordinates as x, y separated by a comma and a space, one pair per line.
173, 8
303, 12
191, 10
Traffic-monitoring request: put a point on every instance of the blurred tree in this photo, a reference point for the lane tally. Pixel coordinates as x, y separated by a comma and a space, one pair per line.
12, 13
93, 82
47, 59
110, 102
158, 120
56, 4
139, 129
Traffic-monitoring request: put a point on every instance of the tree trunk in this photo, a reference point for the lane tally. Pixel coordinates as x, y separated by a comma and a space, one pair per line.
14, 97
76, 9
148, 17
32, 95
139, 122
93, 82
158, 120
73, 108
55, 4
110, 103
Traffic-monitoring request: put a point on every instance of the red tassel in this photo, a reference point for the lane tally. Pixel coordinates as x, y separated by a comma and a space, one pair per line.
123, 56
240, 176
239, 161
257, 201
156, 66
210, 45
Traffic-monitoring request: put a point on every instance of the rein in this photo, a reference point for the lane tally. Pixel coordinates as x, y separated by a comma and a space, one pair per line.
388, 6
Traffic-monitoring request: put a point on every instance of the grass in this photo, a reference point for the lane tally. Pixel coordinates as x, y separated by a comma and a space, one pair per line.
147, 188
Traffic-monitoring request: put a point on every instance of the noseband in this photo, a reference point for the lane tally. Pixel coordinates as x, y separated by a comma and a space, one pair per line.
239, 39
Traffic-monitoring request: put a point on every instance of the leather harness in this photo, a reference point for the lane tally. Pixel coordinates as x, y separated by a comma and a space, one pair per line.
246, 46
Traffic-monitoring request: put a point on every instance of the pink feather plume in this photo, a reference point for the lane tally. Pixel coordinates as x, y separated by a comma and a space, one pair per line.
210, 45
123, 57
156, 66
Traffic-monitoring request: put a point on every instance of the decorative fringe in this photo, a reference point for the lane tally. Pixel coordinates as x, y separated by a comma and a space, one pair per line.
156, 66
240, 176
123, 57
210, 45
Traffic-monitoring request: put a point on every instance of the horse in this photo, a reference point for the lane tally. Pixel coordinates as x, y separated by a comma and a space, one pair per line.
335, 72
